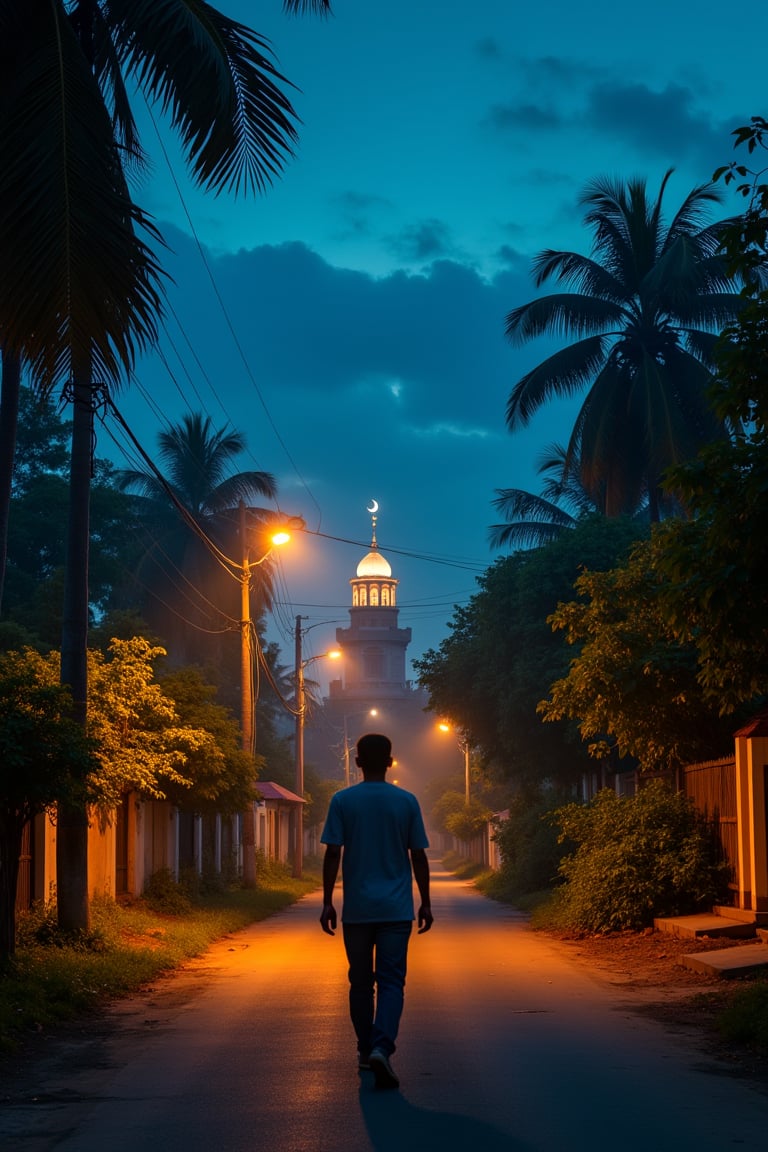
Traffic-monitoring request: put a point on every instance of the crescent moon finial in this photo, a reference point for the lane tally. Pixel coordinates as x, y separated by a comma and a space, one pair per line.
373, 510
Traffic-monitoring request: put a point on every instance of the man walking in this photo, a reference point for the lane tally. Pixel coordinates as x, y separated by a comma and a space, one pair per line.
380, 829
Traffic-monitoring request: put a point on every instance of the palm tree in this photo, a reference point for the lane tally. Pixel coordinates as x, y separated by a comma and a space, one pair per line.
646, 312
182, 582
80, 289
532, 521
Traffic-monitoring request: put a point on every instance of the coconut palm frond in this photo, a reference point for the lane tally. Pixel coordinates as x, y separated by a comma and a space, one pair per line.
79, 283
522, 535
561, 374
217, 81
653, 292
566, 314
316, 7
245, 487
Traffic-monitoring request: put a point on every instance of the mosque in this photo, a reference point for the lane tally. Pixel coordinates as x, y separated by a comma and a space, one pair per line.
372, 693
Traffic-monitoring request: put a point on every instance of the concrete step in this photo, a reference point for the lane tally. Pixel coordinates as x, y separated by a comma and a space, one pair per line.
705, 924
730, 913
730, 962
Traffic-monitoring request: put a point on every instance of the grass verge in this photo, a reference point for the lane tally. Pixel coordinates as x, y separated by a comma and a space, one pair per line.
744, 1017
52, 979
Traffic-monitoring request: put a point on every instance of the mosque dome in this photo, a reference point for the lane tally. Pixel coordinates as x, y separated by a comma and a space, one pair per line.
374, 564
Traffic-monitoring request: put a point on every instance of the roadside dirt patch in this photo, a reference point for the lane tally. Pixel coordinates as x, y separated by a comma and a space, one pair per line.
646, 961
648, 968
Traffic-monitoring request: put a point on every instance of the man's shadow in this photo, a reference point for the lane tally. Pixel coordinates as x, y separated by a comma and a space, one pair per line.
394, 1125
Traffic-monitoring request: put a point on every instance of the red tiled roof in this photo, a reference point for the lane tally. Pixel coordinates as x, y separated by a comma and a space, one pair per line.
268, 790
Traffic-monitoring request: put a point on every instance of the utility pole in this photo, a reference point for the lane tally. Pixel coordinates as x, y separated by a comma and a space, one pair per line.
247, 710
298, 845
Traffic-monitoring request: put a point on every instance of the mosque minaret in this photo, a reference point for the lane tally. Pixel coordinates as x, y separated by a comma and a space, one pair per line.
373, 645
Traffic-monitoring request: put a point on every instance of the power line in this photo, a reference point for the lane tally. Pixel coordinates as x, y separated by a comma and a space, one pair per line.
228, 320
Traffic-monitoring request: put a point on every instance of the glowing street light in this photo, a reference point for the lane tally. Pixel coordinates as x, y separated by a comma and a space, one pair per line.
247, 700
351, 716
463, 743
301, 707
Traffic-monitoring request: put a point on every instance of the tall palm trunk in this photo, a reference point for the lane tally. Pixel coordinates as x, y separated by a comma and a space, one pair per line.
9, 418
72, 818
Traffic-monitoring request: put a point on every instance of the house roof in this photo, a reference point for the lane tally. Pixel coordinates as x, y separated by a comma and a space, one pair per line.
268, 790
757, 726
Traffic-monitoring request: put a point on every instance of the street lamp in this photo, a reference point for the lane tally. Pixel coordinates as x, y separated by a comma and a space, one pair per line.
351, 716
247, 702
463, 743
301, 706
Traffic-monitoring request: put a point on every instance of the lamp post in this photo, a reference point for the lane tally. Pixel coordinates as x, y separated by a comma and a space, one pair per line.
301, 707
247, 701
350, 716
463, 743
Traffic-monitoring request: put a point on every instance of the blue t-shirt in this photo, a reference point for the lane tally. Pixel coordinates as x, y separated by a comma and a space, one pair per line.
377, 824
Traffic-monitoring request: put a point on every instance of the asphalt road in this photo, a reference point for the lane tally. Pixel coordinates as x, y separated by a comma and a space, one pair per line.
504, 1045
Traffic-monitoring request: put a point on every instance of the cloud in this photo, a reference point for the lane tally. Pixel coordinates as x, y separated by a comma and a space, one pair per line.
443, 430
513, 258
661, 122
488, 48
423, 242
312, 333
537, 117
359, 210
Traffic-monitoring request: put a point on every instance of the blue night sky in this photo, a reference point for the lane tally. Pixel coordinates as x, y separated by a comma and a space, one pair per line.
350, 321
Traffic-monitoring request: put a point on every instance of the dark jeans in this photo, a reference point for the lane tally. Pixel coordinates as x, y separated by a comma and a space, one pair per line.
377, 955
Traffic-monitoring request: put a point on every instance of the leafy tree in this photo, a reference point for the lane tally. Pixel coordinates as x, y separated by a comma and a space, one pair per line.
143, 744
714, 566
275, 698
501, 655
529, 847
43, 439
186, 592
317, 793
632, 686
458, 818
222, 775
36, 536
635, 858
79, 292
44, 756
37, 546
647, 307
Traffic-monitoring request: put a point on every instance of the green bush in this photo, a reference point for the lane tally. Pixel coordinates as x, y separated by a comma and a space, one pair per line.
163, 894
635, 858
529, 847
39, 925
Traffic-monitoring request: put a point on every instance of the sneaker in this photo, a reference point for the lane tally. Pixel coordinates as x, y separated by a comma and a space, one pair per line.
382, 1070
364, 1061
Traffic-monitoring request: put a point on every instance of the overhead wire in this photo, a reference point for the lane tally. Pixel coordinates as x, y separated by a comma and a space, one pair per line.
174, 574
228, 320
225, 562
